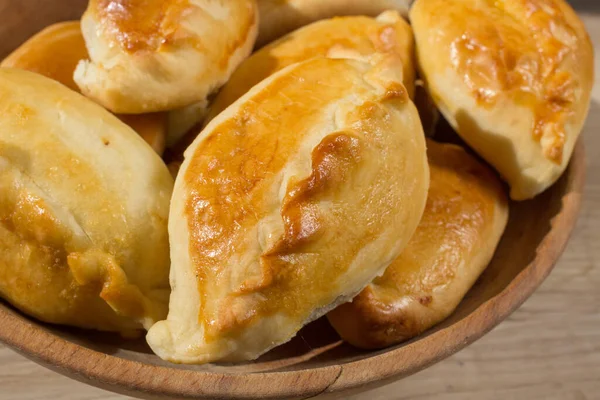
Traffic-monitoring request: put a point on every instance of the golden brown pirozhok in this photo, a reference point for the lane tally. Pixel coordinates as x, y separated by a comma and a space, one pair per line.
465, 217
280, 17
513, 78
83, 204
159, 55
288, 203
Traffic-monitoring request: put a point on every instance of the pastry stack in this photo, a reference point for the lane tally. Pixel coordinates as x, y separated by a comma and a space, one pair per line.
220, 174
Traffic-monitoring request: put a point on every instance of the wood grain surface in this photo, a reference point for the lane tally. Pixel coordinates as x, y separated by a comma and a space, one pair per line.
548, 349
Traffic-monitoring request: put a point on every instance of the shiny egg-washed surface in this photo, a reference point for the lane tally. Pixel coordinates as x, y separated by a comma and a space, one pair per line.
512, 77
497, 57
343, 37
35, 246
142, 25
232, 169
160, 55
288, 202
152, 25
465, 216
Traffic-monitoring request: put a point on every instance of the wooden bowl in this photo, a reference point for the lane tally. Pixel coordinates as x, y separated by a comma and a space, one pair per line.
316, 362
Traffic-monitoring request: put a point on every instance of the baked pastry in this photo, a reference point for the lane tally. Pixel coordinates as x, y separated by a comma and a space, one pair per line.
84, 204
513, 78
465, 216
152, 127
182, 120
159, 55
288, 204
279, 17
55, 51
344, 37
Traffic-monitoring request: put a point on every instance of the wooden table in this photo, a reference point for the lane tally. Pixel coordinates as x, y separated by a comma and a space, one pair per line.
548, 349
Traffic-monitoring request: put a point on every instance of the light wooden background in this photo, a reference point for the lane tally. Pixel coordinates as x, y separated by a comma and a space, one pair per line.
548, 349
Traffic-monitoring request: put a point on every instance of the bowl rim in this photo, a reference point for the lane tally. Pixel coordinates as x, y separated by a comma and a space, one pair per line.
135, 378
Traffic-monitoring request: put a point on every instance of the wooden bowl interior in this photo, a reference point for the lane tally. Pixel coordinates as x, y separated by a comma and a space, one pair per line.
536, 233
